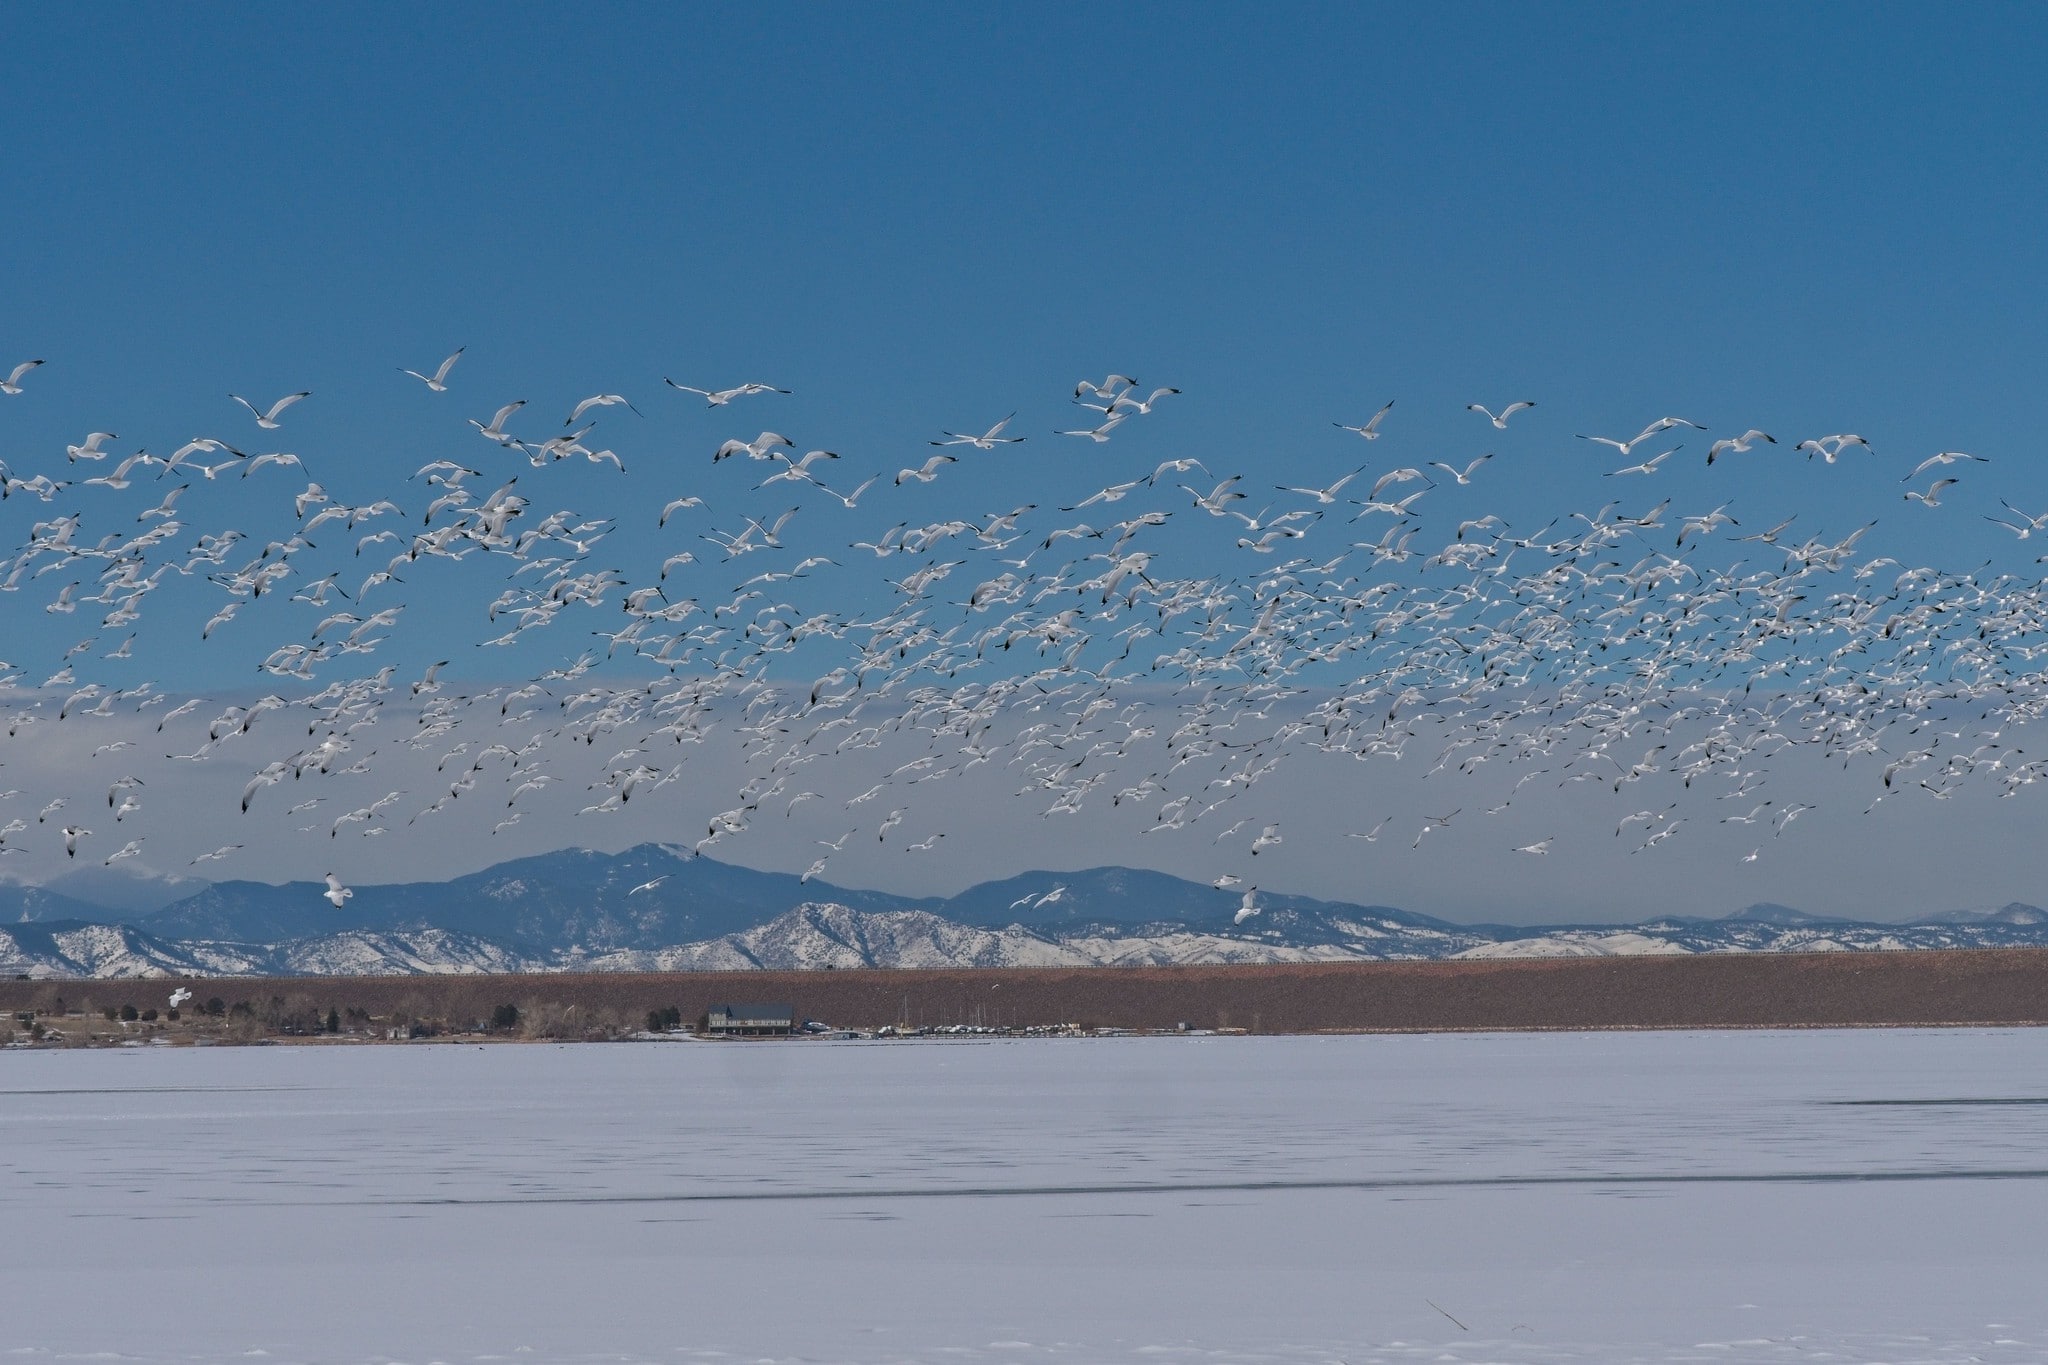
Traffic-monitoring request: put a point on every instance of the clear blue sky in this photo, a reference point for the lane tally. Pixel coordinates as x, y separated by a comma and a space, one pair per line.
1821, 207
1811, 218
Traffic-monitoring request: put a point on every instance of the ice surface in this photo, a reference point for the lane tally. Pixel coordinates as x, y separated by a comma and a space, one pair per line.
1849, 1196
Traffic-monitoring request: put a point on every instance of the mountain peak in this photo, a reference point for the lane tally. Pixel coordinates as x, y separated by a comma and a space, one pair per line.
1768, 912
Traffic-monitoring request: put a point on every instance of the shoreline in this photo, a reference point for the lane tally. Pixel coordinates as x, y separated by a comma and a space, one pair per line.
1981, 988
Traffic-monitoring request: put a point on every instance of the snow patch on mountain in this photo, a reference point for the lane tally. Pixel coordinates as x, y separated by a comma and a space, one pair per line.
1579, 943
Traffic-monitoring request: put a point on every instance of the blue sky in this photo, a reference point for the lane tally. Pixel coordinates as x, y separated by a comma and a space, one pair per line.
1810, 219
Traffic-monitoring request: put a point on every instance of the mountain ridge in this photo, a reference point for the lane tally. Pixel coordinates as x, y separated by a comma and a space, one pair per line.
654, 907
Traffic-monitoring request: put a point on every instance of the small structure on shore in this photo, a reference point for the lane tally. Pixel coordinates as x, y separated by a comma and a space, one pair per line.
750, 1021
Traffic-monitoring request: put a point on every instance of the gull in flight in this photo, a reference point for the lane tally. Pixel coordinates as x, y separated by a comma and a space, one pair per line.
716, 398
648, 886
12, 383
179, 997
268, 419
216, 855
680, 504
1828, 447
1371, 430
1435, 822
438, 381
1325, 496
1499, 419
72, 834
1705, 525
1738, 444
849, 499
1661, 424
1945, 457
1108, 388
1932, 497
89, 448
601, 400
1648, 466
1464, 479
1248, 907
1539, 848
1267, 838
2027, 525
496, 430
336, 894
988, 440
929, 472
756, 449
1123, 402
1098, 434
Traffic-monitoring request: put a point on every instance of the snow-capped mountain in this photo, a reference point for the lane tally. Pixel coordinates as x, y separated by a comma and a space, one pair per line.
654, 908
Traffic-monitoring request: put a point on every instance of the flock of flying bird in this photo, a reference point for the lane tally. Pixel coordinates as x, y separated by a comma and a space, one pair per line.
1151, 643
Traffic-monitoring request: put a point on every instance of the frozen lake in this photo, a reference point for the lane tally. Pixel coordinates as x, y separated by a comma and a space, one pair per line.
1849, 1196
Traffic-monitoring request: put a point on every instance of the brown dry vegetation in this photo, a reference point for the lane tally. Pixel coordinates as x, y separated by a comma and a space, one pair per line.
1997, 986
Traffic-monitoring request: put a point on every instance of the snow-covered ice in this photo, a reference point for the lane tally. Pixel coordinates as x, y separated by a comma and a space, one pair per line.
1846, 1196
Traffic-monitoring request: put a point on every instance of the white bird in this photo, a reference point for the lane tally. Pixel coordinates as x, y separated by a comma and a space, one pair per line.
1932, 497
1325, 496
1435, 822
179, 997
649, 886
1661, 424
1705, 525
1648, 466
1123, 402
1539, 848
1247, 906
1499, 419
12, 383
268, 419
1097, 434
438, 381
720, 397
1944, 457
72, 834
1371, 430
1108, 388
929, 472
601, 400
1392, 477
1738, 444
1828, 447
336, 894
1464, 477
849, 499
680, 504
496, 430
756, 449
89, 448
988, 440
1268, 837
